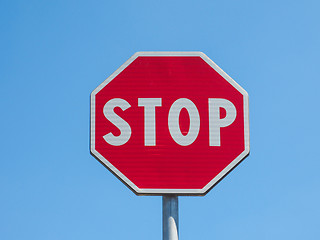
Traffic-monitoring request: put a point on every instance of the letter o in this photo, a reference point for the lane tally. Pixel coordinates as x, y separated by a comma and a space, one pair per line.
173, 121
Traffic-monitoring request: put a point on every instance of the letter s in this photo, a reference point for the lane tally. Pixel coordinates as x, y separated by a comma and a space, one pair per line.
123, 126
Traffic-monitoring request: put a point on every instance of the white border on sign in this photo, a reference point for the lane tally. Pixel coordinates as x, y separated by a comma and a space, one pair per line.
214, 181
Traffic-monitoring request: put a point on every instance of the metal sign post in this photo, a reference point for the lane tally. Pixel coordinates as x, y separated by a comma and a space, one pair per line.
170, 217
169, 124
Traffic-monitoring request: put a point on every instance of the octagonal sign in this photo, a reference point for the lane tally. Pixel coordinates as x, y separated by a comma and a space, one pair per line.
169, 123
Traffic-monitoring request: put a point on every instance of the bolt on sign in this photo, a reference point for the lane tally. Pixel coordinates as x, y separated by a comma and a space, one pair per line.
169, 123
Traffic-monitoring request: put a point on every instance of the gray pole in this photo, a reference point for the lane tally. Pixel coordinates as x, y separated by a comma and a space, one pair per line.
170, 217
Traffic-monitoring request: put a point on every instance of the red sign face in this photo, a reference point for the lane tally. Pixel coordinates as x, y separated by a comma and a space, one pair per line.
169, 122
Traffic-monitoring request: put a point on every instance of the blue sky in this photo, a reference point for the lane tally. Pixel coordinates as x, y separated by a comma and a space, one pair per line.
54, 53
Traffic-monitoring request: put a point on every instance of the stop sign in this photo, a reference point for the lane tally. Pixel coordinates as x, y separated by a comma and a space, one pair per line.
169, 123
